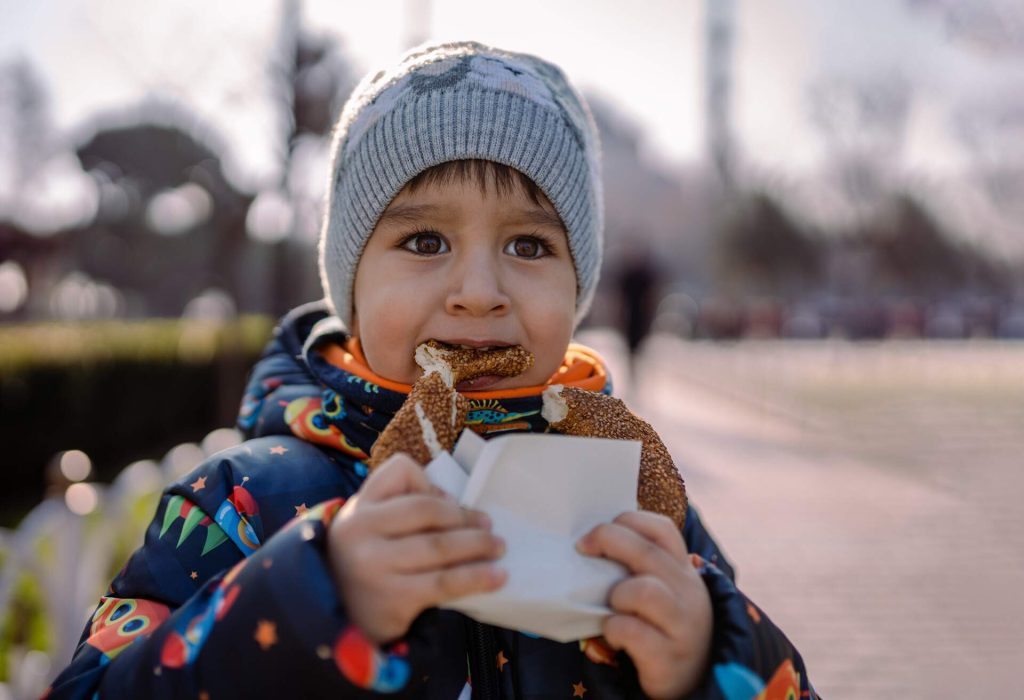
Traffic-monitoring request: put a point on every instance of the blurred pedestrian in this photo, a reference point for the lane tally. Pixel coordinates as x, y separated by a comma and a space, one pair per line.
637, 282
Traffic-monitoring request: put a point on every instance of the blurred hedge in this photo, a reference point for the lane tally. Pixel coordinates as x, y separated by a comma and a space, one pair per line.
119, 391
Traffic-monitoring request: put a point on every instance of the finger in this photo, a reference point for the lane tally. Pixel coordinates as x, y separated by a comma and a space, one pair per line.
439, 550
412, 513
397, 475
650, 599
457, 581
638, 638
657, 665
631, 549
658, 529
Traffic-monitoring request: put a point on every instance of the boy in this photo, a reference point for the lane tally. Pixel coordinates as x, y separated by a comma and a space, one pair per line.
464, 206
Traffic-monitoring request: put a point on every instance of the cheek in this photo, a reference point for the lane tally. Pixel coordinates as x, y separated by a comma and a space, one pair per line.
378, 322
556, 305
550, 327
554, 283
385, 343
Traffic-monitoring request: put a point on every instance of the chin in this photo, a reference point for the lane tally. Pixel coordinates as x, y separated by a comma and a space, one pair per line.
517, 383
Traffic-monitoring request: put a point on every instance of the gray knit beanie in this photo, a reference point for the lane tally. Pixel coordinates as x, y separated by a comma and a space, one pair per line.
451, 102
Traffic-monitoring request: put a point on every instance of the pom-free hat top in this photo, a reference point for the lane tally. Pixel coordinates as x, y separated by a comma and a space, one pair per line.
451, 102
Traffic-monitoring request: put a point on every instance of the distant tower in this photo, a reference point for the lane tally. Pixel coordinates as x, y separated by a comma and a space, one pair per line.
719, 28
417, 22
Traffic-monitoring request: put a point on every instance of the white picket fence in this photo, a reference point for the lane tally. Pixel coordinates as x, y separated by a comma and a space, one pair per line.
68, 559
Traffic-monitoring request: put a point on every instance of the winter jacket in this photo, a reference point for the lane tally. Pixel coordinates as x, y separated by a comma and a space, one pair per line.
231, 593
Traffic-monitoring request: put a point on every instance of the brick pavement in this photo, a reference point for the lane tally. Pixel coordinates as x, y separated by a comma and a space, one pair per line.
892, 580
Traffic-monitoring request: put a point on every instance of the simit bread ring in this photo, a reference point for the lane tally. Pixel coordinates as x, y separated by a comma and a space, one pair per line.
428, 422
431, 419
574, 411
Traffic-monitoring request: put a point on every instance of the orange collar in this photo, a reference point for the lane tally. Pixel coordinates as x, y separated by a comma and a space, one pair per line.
582, 367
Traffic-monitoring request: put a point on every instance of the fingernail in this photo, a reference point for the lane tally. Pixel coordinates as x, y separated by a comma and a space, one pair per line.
485, 520
499, 545
583, 544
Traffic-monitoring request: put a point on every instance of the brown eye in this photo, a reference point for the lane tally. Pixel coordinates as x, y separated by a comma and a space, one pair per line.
525, 247
425, 244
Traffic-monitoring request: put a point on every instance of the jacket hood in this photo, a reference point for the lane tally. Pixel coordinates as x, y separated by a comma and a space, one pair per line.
312, 383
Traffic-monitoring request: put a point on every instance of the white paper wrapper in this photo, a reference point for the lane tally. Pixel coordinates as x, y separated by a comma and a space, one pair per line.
543, 493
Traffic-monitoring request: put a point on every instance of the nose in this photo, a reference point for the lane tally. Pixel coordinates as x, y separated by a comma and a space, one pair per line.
476, 288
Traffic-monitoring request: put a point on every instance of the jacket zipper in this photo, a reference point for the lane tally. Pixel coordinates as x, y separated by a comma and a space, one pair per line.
481, 668
515, 666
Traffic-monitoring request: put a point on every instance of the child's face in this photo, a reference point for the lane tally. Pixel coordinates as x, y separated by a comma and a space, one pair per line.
452, 263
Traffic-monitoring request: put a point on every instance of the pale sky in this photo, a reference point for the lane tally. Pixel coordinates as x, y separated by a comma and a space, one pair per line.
646, 57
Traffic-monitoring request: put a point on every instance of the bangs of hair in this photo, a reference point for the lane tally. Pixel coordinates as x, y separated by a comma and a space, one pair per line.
505, 179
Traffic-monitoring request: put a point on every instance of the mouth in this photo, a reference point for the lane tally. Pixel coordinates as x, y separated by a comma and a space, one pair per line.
478, 383
468, 344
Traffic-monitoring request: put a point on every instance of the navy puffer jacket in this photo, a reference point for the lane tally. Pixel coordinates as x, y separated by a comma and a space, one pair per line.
231, 594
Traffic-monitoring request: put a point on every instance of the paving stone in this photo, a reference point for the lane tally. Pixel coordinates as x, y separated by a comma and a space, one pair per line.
888, 544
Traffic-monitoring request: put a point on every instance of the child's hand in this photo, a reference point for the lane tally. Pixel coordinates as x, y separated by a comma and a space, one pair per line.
663, 617
400, 546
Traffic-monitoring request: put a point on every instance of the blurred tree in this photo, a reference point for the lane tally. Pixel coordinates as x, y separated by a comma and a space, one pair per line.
169, 224
989, 124
762, 251
992, 131
862, 121
994, 26
152, 156
914, 256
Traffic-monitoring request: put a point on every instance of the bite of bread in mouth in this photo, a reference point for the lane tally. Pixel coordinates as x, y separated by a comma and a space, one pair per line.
462, 363
434, 414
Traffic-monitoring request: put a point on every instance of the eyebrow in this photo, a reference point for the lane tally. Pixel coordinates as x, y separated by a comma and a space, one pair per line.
407, 213
540, 217
412, 213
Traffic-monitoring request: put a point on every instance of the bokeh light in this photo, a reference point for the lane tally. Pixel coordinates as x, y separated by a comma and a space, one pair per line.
210, 305
141, 475
270, 217
183, 459
75, 465
13, 287
176, 211
221, 439
60, 196
81, 499
79, 297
